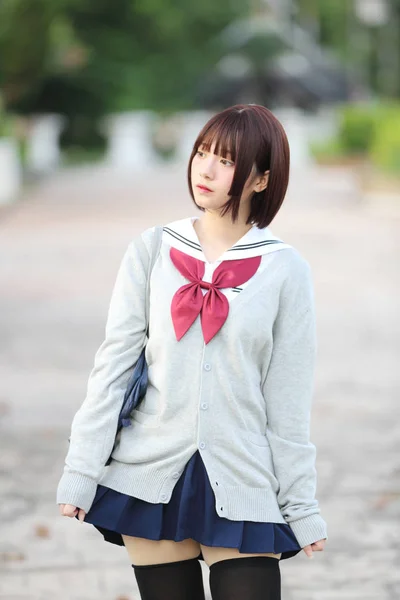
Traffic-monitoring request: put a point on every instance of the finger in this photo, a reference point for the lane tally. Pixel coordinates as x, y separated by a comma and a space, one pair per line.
308, 551
81, 515
318, 545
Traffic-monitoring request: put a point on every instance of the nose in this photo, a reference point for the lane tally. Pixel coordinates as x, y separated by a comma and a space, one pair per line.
208, 168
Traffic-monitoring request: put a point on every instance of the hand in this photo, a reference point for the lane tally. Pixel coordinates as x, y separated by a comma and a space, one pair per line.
68, 510
315, 547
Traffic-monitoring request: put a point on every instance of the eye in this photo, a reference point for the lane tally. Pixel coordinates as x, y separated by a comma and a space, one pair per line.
200, 153
226, 162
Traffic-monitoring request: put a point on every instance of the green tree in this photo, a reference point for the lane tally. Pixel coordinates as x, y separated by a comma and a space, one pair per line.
373, 51
120, 55
84, 58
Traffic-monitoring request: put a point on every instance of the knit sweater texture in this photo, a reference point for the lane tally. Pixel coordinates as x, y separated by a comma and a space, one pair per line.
243, 399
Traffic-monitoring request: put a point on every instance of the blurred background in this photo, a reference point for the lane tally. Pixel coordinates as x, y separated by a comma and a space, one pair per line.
100, 103
88, 81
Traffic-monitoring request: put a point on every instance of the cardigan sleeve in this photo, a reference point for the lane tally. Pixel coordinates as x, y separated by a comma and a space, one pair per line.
94, 425
288, 389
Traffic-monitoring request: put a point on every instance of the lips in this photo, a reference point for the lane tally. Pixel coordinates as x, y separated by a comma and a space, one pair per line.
204, 187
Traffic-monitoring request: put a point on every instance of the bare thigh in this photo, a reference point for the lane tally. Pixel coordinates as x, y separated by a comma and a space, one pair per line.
213, 555
156, 552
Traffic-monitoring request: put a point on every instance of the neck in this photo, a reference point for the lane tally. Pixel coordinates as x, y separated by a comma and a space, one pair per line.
212, 226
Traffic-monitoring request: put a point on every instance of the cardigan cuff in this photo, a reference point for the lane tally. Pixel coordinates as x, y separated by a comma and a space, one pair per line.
76, 489
309, 529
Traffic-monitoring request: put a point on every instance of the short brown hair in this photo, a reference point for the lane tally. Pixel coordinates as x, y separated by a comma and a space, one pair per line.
252, 135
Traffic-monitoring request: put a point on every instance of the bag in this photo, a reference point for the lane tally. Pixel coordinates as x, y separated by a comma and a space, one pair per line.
137, 384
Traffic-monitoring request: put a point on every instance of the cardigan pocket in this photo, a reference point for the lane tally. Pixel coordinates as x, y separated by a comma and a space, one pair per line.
260, 449
258, 439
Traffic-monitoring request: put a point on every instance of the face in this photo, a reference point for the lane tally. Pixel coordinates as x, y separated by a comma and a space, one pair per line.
212, 177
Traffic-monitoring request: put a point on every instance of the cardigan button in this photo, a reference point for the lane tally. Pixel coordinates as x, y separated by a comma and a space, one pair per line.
163, 496
202, 445
207, 367
204, 406
175, 475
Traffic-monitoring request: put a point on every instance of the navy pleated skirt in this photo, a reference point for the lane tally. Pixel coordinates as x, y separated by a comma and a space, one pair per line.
190, 513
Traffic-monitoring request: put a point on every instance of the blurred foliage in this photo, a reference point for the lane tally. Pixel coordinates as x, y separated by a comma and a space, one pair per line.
385, 147
328, 151
77, 155
86, 58
373, 51
370, 132
28, 50
328, 20
6, 122
357, 128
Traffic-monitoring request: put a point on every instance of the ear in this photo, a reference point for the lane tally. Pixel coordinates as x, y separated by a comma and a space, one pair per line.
261, 182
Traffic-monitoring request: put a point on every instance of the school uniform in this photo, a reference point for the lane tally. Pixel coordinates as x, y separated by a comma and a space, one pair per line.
219, 449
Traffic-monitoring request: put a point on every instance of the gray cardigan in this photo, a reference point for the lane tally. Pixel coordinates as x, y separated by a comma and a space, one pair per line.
243, 400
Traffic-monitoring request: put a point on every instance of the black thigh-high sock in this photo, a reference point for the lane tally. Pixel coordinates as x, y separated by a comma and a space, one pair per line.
247, 578
180, 580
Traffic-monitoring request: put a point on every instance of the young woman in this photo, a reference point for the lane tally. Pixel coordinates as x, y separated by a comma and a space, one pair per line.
217, 464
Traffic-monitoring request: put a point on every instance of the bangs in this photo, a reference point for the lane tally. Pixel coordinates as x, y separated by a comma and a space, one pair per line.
235, 138
224, 134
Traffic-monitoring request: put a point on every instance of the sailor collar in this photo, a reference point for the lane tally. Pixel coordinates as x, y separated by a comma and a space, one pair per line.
256, 242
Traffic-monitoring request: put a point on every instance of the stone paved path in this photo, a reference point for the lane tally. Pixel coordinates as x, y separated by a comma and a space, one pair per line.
60, 247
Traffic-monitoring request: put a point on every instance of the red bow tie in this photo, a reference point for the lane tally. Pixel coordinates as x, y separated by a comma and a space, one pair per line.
188, 302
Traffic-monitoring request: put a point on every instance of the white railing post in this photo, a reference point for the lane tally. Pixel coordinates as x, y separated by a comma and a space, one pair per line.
10, 170
129, 137
43, 146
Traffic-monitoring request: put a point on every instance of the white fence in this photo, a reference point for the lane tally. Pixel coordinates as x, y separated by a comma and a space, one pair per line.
137, 141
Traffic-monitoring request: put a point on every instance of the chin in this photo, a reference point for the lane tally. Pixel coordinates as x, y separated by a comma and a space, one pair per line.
207, 203
208, 206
